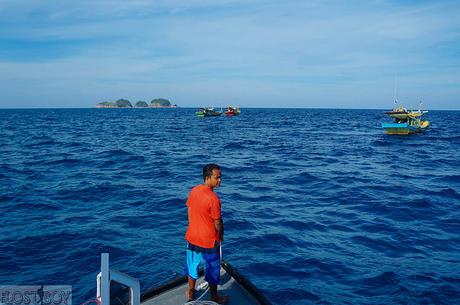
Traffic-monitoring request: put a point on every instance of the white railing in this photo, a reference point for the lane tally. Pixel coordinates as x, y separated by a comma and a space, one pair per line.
107, 275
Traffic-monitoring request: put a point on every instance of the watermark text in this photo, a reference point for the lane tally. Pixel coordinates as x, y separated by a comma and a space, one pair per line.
35, 295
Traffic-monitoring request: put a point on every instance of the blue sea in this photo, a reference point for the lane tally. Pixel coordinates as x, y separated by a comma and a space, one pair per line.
320, 206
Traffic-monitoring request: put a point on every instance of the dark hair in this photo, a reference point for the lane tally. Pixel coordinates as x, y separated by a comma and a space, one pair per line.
207, 170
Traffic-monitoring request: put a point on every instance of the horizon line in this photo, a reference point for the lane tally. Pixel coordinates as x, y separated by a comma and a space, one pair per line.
193, 107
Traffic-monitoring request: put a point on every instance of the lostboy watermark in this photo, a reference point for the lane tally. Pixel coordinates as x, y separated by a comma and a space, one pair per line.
35, 295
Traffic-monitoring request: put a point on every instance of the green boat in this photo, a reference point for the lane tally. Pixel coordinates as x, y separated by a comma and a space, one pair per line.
208, 111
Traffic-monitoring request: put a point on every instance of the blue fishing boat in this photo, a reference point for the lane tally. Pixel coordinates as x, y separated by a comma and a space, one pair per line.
405, 122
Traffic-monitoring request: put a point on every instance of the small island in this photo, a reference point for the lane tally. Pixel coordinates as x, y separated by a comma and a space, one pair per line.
124, 103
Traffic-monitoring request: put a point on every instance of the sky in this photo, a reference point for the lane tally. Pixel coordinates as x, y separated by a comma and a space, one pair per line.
248, 53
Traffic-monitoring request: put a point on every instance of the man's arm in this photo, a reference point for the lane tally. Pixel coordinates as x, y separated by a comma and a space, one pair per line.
218, 223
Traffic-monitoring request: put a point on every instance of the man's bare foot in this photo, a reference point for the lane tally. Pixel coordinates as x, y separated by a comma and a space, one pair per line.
190, 295
220, 299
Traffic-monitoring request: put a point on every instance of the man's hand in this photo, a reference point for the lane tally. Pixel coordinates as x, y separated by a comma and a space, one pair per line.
220, 228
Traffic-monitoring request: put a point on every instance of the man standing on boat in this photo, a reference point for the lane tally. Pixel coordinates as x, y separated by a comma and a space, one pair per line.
205, 232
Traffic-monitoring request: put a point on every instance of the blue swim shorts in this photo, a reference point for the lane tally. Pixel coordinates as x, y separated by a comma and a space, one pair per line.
210, 258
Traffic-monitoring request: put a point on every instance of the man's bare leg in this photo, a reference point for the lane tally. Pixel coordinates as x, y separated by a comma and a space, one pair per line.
221, 299
191, 289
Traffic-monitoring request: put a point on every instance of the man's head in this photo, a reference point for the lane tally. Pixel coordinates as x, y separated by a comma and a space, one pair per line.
211, 175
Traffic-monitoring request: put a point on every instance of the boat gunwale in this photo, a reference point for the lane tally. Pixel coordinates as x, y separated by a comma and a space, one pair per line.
174, 283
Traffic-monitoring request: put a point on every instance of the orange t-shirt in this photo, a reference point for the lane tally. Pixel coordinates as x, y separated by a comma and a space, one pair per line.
203, 208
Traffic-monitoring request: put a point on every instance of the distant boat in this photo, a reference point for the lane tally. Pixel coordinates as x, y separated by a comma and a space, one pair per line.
405, 122
208, 111
231, 111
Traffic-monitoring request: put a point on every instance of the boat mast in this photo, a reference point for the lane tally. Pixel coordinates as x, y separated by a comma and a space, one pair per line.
394, 91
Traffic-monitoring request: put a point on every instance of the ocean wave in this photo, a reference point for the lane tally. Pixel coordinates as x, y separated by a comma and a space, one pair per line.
40, 142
